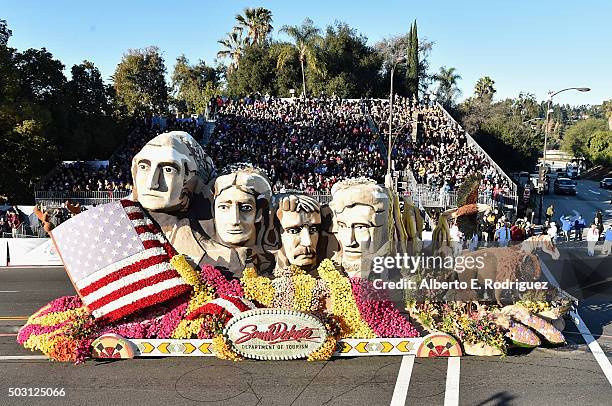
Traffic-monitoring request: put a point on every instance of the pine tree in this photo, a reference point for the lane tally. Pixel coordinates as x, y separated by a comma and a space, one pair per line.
413, 62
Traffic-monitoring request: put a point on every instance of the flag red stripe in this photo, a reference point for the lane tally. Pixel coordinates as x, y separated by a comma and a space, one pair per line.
128, 203
133, 287
136, 216
149, 228
145, 302
120, 273
152, 244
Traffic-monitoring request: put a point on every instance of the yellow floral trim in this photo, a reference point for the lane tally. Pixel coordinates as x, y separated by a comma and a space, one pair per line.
326, 351
52, 319
258, 288
304, 286
344, 307
222, 349
199, 299
188, 328
189, 275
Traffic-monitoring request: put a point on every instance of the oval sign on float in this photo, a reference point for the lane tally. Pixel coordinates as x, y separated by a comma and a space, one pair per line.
275, 334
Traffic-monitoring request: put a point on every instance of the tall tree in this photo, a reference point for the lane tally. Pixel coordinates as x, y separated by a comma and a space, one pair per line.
140, 83
41, 77
257, 22
86, 91
5, 33
392, 50
484, 89
233, 48
606, 106
413, 62
447, 91
193, 85
306, 38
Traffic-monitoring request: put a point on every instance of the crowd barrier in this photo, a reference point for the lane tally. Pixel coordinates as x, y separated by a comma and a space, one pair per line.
28, 252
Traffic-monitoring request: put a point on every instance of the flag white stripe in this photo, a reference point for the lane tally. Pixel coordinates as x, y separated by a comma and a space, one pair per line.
126, 280
139, 294
141, 222
227, 305
150, 237
101, 273
132, 209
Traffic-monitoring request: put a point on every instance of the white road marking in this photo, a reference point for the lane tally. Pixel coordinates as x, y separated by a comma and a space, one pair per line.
21, 357
451, 396
600, 356
9, 291
592, 191
403, 381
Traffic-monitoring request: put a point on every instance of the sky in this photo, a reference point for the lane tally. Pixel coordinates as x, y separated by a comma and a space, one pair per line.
524, 46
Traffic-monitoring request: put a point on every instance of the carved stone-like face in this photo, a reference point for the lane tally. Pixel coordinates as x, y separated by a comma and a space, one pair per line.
357, 234
300, 235
159, 177
235, 217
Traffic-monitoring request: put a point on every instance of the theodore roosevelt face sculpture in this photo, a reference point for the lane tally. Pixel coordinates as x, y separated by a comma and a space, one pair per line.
168, 170
299, 217
361, 219
240, 198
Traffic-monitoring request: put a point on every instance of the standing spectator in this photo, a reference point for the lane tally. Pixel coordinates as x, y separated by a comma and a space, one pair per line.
502, 235
553, 231
592, 238
599, 221
14, 221
550, 212
566, 227
4, 227
607, 241
579, 224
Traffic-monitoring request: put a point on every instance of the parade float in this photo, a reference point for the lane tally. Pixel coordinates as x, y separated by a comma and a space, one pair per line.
200, 263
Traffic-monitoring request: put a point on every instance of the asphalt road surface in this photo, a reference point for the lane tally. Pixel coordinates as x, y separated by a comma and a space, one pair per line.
574, 374
589, 198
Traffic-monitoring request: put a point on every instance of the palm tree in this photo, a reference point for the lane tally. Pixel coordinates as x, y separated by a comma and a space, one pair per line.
306, 38
607, 109
257, 22
484, 89
447, 85
233, 48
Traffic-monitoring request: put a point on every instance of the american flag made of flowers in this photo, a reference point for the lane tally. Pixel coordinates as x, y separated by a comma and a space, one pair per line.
118, 260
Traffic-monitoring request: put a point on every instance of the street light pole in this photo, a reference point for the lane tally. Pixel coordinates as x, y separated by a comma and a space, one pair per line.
551, 94
390, 136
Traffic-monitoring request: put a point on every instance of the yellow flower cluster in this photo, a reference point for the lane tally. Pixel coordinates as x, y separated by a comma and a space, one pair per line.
326, 351
344, 306
304, 286
188, 328
52, 318
189, 275
42, 342
222, 349
258, 288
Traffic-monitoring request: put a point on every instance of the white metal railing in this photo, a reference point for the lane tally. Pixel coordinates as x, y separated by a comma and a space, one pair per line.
87, 198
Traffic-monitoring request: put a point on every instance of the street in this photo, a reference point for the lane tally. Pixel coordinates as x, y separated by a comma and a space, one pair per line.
588, 200
567, 375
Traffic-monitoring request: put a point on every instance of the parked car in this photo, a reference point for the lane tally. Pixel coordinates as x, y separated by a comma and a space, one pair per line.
564, 186
606, 183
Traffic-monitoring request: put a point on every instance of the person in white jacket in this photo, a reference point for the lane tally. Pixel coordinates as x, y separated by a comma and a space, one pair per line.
592, 237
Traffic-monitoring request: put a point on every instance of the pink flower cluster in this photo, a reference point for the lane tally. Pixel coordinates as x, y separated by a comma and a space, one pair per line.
212, 277
380, 313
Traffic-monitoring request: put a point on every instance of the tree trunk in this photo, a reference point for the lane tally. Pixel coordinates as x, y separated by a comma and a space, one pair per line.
610, 122
303, 78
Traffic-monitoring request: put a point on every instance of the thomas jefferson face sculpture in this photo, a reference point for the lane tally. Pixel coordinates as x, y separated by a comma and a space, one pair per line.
300, 222
239, 201
361, 219
168, 170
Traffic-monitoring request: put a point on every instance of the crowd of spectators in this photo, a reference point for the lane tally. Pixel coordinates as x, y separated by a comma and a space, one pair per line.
302, 144
438, 154
116, 176
310, 144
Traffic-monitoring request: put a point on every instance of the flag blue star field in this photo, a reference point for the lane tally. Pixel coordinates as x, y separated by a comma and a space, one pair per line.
118, 260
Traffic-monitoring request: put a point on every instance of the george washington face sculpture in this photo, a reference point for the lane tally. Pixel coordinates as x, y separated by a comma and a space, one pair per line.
168, 170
